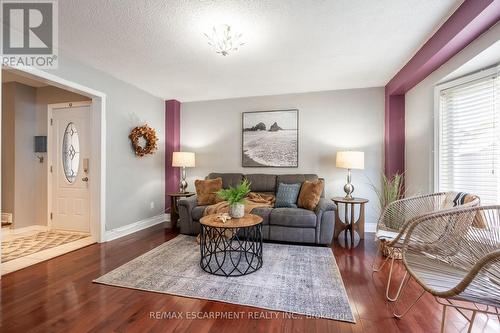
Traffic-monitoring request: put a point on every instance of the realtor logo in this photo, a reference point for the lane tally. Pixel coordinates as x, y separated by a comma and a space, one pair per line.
29, 33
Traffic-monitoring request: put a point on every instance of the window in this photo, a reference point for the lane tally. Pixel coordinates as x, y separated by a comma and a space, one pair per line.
468, 136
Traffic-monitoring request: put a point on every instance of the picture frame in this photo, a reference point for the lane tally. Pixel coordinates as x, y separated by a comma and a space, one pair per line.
270, 139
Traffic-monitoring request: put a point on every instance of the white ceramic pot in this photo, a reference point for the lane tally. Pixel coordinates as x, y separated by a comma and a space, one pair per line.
237, 210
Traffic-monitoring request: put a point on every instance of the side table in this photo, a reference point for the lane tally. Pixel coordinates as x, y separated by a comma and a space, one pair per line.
174, 209
349, 224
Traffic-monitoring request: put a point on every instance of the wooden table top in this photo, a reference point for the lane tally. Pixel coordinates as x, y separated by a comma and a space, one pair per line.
248, 220
351, 201
179, 194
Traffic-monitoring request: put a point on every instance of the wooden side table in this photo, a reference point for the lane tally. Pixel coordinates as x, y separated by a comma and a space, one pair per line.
349, 224
174, 208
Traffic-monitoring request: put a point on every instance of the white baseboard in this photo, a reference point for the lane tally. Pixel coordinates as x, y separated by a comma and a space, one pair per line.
137, 226
31, 228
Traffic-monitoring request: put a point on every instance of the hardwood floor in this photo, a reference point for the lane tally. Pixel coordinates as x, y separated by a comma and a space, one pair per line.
58, 296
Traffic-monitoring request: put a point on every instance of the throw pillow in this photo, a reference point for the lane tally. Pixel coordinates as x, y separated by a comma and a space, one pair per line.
479, 219
287, 195
206, 191
310, 193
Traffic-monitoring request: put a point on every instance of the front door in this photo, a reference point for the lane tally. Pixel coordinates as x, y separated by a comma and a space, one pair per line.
70, 152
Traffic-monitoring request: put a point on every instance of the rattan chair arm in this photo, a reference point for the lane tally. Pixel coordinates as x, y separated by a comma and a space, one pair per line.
409, 205
487, 262
483, 264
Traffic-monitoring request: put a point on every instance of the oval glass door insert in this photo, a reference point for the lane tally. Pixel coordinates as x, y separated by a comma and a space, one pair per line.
71, 153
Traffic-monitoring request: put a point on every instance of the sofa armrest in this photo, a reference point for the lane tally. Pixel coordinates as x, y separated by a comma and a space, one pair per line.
325, 226
324, 205
189, 202
186, 223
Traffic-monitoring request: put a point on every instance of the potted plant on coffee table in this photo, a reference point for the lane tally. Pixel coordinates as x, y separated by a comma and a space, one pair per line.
235, 196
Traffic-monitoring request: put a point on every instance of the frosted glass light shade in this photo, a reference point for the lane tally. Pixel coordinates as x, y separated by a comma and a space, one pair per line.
350, 160
183, 159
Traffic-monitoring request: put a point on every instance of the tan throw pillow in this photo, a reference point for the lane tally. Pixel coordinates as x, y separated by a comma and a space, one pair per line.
310, 193
206, 191
479, 219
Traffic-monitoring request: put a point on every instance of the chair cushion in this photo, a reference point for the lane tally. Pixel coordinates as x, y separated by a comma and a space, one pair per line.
263, 212
293, 217
262, 182
387, 235
310, 193
287, 195
206, 190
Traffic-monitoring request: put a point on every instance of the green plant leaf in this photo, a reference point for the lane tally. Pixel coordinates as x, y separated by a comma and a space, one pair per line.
237, 194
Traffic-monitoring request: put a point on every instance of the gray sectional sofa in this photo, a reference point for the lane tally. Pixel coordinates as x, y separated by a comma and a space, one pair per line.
279, 224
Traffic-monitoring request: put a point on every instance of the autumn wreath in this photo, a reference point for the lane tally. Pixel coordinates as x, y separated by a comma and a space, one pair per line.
149, 135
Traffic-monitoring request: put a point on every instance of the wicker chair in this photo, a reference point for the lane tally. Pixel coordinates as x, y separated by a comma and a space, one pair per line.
455, 256
398, 216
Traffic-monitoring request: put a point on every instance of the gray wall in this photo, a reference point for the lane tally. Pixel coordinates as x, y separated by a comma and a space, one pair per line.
8, 147
328, 121
18, 167
132, 183
419, 113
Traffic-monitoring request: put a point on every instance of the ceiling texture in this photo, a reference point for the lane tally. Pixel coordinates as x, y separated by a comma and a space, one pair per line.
290, 46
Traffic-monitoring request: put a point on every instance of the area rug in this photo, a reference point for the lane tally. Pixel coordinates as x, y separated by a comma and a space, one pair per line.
295, 279
26, 245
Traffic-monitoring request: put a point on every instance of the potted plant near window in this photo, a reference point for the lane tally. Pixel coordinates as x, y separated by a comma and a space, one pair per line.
235, 196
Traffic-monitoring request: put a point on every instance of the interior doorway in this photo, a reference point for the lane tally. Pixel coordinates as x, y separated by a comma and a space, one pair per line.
64, 163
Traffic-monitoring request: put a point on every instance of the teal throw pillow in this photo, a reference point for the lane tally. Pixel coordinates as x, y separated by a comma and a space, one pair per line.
287, 195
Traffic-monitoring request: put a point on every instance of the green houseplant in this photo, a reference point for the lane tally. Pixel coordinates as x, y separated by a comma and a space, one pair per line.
392, 189
235, 196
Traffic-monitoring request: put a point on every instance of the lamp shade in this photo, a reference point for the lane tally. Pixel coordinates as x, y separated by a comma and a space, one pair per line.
183, 159
350, 160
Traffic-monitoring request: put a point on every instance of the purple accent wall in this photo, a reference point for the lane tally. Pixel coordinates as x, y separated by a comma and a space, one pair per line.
172, 143
394, 133
469, 21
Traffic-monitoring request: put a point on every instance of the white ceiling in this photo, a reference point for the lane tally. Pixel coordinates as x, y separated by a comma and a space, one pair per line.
291, 45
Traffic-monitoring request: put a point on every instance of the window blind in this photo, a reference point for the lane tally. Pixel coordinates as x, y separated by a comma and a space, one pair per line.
469, 133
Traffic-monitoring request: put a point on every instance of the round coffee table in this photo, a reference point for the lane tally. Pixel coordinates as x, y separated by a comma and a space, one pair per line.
233, 248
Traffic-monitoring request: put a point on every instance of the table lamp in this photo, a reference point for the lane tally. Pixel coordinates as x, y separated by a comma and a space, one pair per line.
350, 160
183, 160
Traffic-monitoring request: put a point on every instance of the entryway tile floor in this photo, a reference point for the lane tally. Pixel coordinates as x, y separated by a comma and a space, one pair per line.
36, 257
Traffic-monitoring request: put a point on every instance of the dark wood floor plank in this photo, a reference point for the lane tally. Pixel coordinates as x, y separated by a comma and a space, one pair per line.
58, 296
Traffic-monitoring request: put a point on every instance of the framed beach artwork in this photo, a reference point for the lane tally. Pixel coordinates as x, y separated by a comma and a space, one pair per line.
271, 139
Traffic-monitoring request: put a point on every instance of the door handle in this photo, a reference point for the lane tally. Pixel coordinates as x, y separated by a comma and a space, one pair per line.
85, 179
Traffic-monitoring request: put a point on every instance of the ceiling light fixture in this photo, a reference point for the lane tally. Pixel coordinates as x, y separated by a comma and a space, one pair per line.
224, 40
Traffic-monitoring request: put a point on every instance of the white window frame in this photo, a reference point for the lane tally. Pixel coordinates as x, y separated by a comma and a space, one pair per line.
495, 70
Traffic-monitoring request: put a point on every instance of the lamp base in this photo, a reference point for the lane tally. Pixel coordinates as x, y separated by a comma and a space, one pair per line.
183, 185
348, 188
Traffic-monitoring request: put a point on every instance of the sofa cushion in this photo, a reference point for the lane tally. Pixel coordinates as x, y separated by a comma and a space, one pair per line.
287, 195
310, 193
263, 212
293, 217
197, 212
296, 178
206, 190
262, 183
228, 179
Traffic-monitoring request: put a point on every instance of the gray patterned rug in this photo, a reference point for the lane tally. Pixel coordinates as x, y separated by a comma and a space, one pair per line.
296, 279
